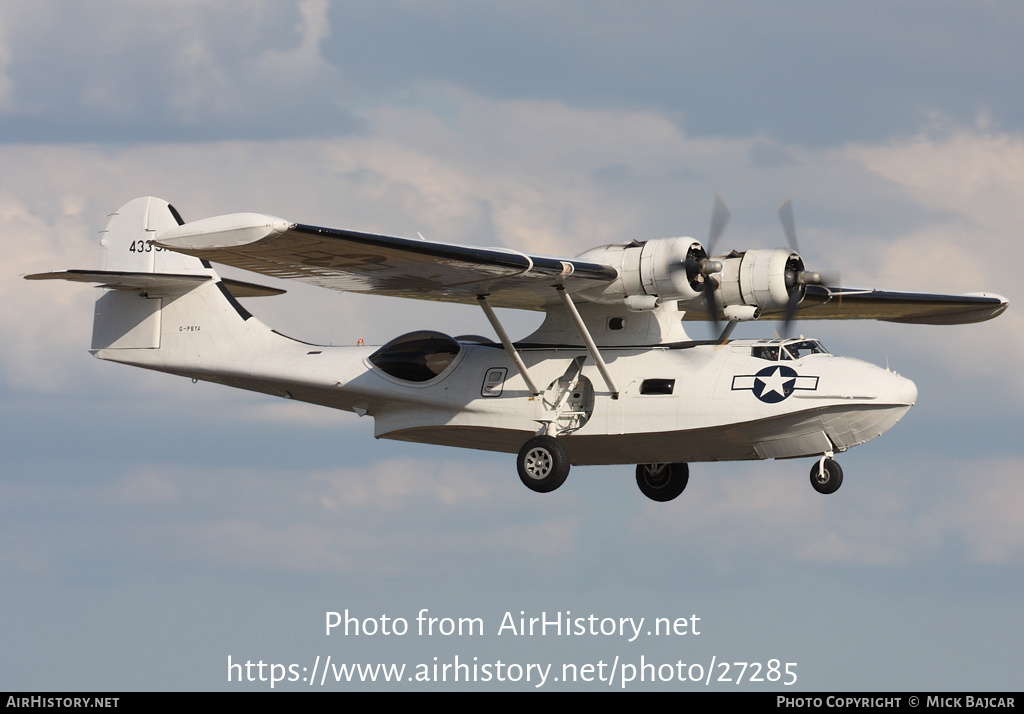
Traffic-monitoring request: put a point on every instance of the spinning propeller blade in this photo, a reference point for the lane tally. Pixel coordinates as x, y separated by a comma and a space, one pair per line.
788, 224
719, 219
798, 278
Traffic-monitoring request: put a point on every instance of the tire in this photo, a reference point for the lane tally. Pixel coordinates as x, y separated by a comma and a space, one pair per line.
830, 481
543, 464
662, 482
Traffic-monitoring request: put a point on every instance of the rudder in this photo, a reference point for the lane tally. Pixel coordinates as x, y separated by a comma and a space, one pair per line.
127, 242
162, 309
129, 319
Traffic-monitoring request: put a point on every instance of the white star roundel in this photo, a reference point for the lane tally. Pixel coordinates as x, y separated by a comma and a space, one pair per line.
774, 383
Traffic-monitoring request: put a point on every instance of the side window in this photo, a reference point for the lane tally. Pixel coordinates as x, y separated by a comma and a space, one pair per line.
770, 353
494, 380
416, 356
657, 386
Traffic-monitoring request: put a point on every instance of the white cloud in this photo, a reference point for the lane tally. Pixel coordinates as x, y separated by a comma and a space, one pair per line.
990, 515
969, 180
394, 516
907, 521
314, 29
6, 84
44, 327
532, 175
400, 516
169, 68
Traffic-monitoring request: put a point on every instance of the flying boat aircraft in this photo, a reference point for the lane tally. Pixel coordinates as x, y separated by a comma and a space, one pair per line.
609, 377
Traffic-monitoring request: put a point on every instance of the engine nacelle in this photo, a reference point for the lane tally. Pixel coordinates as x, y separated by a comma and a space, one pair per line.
650, 273
760, 278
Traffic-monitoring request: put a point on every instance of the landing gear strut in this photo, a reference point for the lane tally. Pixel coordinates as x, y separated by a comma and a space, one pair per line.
826, 475
543, 464
662, 482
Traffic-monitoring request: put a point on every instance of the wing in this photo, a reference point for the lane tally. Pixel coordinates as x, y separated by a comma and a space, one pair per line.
831, 303
404, 267
384, 265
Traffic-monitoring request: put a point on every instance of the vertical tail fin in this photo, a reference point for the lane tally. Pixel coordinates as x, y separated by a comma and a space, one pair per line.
164, 310
131, 319
127, 242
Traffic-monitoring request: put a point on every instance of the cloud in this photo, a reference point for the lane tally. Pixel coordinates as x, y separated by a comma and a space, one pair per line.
169, 70
990, 516
183, 70
876, 520
394, 516
467, 517
313, 30
547, 127
934, 214
965, 184
6, 85
42, 331
402, 482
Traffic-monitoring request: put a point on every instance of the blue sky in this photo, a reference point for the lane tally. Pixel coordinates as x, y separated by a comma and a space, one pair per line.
150, 528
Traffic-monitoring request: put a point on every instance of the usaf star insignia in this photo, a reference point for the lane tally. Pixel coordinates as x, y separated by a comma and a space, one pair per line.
773, 384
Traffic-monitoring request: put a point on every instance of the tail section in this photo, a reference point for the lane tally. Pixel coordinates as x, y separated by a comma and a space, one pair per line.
127, 242
132, 317
166, 310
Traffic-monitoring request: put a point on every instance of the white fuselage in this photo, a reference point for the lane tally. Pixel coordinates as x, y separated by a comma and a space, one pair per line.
687, 403
712, 413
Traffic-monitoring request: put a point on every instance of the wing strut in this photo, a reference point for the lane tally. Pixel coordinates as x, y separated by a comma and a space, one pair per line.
584, 334
507, 343
727, 332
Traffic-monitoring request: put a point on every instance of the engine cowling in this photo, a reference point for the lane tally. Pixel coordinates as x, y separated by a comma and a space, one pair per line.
651, 272
760, 278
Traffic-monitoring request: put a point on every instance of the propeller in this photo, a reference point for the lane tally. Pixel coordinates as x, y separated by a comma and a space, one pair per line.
719, 218
797, 278
700, 269
788, 224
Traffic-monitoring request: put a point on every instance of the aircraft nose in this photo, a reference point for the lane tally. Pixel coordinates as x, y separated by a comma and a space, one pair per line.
890, 388
907, 391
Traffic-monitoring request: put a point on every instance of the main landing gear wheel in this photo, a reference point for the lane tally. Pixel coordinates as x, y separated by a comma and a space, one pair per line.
827, 479
543, 464
662, 482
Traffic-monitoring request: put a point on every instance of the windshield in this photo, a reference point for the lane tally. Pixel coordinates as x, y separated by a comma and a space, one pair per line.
787, 349
802, 348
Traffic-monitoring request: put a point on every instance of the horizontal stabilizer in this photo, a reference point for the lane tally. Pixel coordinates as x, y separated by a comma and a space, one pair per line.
121, 280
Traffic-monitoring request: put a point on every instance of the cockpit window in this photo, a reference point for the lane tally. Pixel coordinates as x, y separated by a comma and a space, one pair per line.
802, 348
416, 356
769, 352
788, 350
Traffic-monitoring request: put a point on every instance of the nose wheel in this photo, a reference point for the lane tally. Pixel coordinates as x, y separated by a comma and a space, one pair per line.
826, 475
662, 482
543, 464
